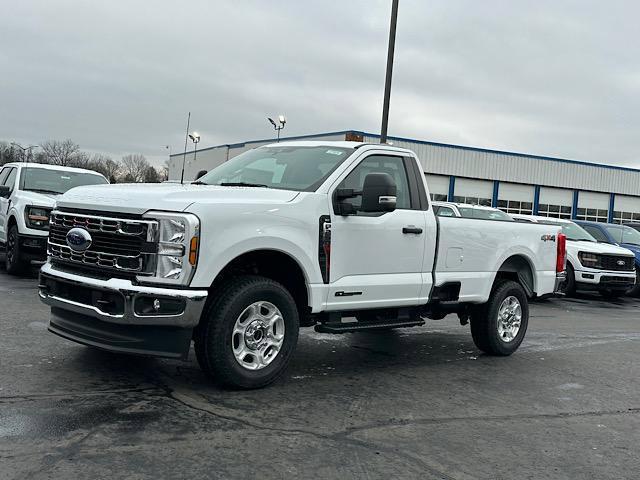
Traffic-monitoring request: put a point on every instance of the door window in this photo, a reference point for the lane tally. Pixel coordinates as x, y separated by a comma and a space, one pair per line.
10, 180
596, 233
3, 174
394, 166
445, 212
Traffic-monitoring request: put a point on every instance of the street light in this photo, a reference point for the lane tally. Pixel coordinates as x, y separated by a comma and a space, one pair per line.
25, 150
278, 126
195, 138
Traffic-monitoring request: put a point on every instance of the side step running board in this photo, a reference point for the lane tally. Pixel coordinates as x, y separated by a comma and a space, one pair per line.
339, 327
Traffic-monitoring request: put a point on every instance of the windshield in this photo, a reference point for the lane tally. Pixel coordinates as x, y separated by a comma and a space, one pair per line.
46, 180
286, 167
573, 231
484, 213
624, 234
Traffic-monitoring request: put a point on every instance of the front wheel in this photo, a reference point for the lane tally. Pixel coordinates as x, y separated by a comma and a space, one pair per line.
248, 332
13, 261
498, 327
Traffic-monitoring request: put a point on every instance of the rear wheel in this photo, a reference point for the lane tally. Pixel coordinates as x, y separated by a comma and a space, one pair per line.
499, 326
248, 333
14, 264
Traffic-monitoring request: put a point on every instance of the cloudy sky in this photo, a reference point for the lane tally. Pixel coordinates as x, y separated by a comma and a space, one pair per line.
558, 78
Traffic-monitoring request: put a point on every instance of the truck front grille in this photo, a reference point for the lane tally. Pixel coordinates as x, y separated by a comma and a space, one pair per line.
117, 244
617, 263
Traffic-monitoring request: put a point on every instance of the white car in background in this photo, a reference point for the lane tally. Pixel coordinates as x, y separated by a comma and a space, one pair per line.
28, 192
451, 209
609, 269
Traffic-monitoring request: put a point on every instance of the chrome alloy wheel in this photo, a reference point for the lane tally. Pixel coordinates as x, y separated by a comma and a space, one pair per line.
509, 318
258, 335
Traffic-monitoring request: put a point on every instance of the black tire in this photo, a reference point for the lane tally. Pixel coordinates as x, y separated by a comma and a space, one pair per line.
214, 335
611, 294
569, 285
14, 263
635, 291
484, 321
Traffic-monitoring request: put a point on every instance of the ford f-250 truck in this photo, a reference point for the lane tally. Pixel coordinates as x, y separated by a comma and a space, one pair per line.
289, 235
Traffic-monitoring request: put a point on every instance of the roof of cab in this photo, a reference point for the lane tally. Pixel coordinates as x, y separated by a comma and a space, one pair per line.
339, 144
51, 167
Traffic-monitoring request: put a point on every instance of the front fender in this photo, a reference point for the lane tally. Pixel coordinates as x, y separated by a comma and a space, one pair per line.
209, 268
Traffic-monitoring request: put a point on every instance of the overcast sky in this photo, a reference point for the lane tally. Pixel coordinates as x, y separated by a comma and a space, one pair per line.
558, 78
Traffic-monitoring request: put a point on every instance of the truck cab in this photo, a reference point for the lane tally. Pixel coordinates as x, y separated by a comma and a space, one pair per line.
27, 195
337, 236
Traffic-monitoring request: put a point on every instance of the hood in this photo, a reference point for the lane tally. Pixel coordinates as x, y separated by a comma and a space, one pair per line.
604, 248
38, 199
138, 198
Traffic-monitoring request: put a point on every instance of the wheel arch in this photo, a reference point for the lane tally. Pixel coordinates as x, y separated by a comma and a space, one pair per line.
520, 269
274, 264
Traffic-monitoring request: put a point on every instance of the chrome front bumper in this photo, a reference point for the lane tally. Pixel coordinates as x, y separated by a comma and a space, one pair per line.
86, 296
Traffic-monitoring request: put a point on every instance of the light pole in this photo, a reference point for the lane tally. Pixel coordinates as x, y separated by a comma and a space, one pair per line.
25, 155
195, 138
278, 126
387, 81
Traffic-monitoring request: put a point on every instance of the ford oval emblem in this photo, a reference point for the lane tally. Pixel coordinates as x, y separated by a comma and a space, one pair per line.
78, 239
621, 262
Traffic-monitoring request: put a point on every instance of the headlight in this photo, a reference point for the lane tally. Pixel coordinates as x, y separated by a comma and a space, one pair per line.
590, 260
37, 217
177, 238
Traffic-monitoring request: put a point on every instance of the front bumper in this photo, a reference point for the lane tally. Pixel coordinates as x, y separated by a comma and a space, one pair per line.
33, 247
117, 315
601, 279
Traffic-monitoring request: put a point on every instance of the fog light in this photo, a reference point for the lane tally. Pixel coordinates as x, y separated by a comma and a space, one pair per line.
158, 306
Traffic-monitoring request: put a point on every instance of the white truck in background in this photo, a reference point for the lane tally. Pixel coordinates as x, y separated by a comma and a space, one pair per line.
28, 192
608, 269
290, 235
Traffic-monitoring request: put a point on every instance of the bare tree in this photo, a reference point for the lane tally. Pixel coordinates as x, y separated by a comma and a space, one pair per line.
105, 165
8, 153
151, 175
134, 167
59, 152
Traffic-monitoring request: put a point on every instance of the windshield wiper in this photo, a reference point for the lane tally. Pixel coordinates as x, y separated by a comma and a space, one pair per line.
242, 184
198, 182
41, 190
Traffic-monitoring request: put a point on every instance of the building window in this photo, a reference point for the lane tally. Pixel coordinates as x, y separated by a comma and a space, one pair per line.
485, 202
554, 211
515, 206
625, 217
593, 215
439, 197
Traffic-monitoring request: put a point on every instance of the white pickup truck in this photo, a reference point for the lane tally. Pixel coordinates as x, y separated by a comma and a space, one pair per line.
609, 269
290, 235
27, 195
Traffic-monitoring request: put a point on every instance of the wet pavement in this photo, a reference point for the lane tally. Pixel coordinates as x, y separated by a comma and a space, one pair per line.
417, 403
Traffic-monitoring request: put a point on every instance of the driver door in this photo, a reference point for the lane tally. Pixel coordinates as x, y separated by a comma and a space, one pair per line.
376, 258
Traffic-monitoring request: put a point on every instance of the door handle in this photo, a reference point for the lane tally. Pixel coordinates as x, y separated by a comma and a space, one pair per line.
415, 230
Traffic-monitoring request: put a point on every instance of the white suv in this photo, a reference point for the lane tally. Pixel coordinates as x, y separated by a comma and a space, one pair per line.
28, 192
608, 269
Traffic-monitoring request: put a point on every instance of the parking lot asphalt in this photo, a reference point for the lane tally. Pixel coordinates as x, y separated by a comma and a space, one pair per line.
415, 403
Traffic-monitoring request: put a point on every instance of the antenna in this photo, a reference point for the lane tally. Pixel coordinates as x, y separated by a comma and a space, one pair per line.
184, 155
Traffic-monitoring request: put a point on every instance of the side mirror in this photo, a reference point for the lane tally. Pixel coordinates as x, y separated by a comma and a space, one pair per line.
5, 191
378, 193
